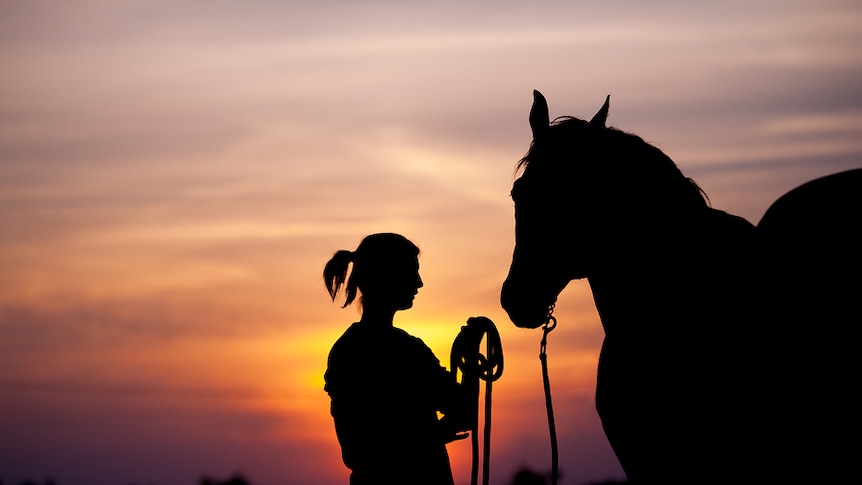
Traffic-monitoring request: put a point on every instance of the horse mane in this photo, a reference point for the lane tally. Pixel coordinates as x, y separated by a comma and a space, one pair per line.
622, 157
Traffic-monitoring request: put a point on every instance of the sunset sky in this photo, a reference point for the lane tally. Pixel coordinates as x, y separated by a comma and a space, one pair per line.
175, 174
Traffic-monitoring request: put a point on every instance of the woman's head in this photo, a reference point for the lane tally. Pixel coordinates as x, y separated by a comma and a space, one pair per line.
385, 270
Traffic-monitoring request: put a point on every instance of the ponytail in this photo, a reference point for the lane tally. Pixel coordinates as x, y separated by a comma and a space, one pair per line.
335, 275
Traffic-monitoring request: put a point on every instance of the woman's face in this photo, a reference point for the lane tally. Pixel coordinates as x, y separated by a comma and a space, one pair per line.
406, 284
395, 285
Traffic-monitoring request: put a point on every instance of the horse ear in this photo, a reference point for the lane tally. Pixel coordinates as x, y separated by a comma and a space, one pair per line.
600, 118
539, 118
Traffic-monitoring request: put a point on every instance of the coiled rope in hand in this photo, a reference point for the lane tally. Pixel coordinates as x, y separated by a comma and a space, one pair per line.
467, 358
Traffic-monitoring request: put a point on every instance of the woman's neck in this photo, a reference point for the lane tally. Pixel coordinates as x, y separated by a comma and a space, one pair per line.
377, 315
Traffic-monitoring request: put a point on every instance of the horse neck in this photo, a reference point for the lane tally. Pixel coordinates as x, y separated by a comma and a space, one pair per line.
665, 274
645, 237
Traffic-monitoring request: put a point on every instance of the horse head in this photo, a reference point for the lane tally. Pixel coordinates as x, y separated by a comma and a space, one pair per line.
584, 192
541, 263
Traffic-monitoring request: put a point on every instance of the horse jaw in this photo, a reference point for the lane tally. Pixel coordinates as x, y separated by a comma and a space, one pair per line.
528, 301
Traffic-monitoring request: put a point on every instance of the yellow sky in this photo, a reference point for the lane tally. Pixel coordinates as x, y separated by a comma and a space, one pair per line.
174, 175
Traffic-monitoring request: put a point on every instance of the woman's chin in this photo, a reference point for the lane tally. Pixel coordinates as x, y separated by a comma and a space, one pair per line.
406, 305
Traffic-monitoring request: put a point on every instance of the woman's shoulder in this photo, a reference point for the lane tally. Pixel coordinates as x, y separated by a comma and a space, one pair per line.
407, 337
366, 338
414, 347
346, 338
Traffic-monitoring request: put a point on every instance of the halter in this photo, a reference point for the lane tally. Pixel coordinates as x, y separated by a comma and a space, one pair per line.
550, 324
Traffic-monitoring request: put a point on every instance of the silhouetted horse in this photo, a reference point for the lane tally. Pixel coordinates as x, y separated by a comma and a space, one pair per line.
729, 353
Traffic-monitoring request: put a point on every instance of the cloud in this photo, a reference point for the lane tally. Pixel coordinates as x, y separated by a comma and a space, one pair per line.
104, 324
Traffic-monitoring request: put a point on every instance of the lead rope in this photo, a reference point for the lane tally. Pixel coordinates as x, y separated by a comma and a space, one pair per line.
474, 366
550, 324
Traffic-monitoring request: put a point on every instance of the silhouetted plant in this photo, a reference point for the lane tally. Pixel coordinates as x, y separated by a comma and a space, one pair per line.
526, 476
48, 481
236, 479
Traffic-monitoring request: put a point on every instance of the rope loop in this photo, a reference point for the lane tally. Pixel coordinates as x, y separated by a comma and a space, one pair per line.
467, 358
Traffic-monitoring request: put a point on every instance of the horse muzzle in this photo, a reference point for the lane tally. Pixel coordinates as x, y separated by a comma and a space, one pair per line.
526, 307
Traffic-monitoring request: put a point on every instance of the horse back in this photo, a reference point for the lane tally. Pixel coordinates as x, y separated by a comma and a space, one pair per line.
818, 221
810, 240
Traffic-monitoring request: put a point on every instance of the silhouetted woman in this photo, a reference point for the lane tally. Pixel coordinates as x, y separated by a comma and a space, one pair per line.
385, 385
